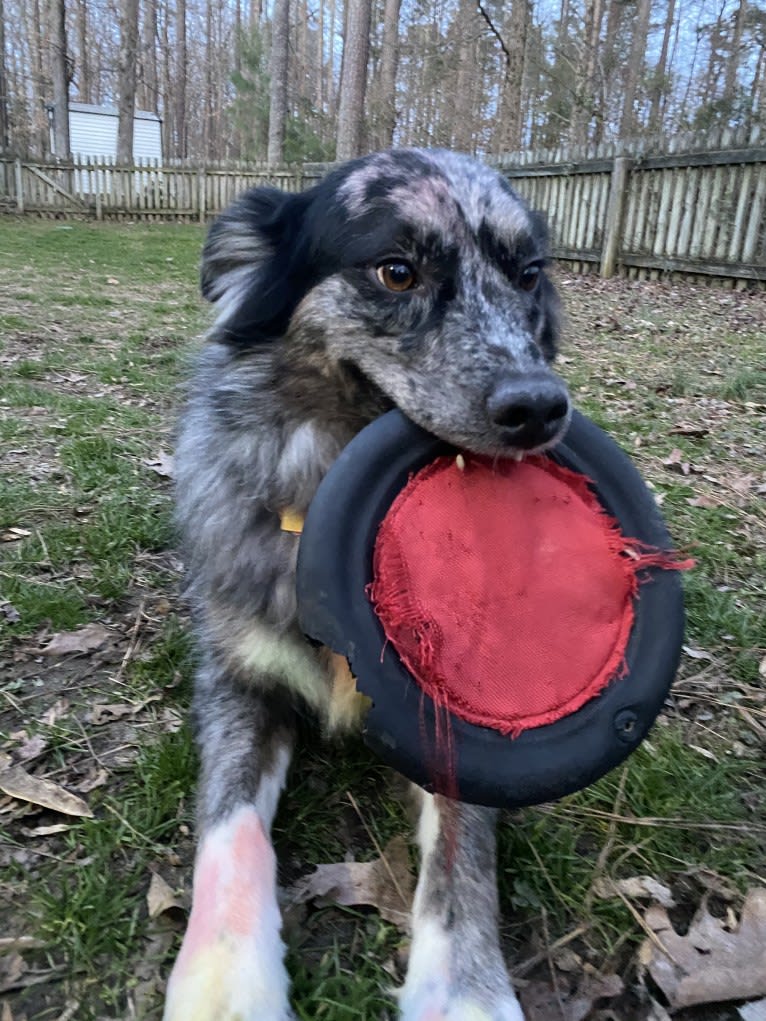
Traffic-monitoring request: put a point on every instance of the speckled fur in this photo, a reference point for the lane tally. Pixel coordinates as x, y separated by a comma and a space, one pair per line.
307, 348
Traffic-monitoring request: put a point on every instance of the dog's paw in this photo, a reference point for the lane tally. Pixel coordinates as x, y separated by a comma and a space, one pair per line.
447, 981
437, 1004
231, 966
227, 983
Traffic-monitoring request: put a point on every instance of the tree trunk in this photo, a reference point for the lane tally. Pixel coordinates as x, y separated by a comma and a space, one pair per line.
126, 86
353, 81
150, 89
5, 122
659, 88
510, 125
58, 66
586, 92
389, 62
278, 69
732, 64
628, 120
83, 54
181, 132
463, 121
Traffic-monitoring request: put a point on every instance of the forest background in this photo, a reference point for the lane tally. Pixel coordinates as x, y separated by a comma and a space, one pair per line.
316, 80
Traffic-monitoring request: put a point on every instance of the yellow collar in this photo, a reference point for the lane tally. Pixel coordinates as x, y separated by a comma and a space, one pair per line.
291, 520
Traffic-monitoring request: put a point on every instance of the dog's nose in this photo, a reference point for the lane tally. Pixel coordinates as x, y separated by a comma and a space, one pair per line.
530, 409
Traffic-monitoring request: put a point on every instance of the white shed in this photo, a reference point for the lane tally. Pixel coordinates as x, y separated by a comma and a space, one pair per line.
93, 132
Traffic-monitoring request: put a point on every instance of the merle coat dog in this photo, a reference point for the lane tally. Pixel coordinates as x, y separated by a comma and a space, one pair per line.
411, 278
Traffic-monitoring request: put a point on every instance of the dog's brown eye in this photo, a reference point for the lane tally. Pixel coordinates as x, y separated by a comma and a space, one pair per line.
529, 278
396, 276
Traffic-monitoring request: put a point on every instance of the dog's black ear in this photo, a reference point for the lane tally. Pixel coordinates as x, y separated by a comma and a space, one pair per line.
550, 306
547, 295
255, 266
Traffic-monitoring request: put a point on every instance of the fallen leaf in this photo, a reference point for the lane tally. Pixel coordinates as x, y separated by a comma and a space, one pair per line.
9, 611
45, 831
14, 534
7, 1013
108, 712
160, 898
755, 1011
90, 783
103, 712
713, 962
57, 711
685, 429
86, 639
17, 783
162, 464
657, 1012
762, 667
707, 502
636, 888
542, 1001
31, 747
675, 462
696, 653
385, 884
12, 967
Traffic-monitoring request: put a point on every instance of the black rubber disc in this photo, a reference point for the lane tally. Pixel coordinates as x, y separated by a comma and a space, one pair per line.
543, 763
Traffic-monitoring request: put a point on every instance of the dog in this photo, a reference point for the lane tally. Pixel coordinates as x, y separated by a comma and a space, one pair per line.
411, 279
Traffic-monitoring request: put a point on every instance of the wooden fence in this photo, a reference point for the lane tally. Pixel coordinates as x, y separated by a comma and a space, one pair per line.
695, 208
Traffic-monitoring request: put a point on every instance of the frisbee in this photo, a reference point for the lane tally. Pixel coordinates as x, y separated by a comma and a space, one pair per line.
515, 625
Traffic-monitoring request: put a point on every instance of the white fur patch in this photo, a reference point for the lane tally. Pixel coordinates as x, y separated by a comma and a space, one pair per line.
262, 651
231, 967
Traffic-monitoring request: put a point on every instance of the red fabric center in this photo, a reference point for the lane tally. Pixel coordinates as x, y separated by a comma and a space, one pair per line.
505, 589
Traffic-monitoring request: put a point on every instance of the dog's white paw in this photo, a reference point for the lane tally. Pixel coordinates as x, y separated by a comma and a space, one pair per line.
231, 966
447, 982
226, 983
434, 1003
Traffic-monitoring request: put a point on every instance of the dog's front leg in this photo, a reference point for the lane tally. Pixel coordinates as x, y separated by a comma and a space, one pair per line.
456, 970
230, 967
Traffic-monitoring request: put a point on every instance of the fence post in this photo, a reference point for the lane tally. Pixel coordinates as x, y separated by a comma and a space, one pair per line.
19, 186
615, 212
201, 193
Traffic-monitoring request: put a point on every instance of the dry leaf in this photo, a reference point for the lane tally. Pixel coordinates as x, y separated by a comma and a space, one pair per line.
31, 747
86, 639
696, 653
17, 783
9, 611
675, 462
14, 534
762, 667
12, 967
162, 463
45, 831
685, 429
385, 884
95, 779
6, 1014
636, 888
108, 712
160, 898
103, 712
708, 502
713, 962
543, 1002
57, 711
755, 1011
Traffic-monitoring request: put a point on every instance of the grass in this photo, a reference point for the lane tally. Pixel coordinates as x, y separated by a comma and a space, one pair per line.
95, 330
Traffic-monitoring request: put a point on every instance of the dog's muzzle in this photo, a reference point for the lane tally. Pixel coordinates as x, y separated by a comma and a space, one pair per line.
530, 409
